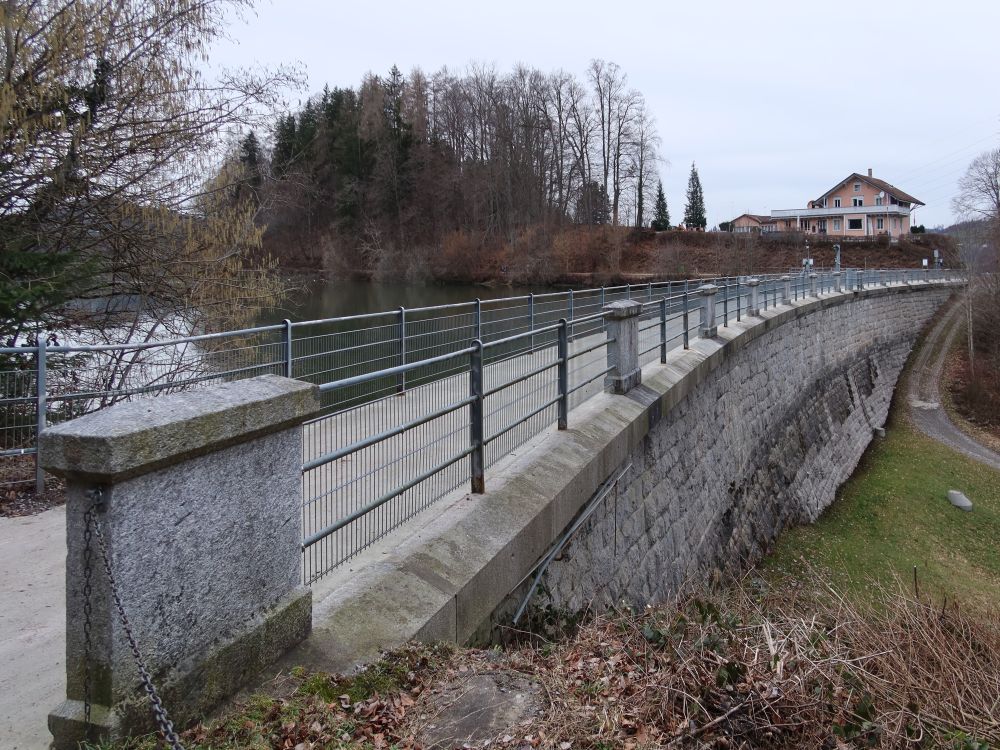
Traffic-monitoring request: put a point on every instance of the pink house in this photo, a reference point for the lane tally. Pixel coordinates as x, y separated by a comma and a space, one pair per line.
858, 206
752, 223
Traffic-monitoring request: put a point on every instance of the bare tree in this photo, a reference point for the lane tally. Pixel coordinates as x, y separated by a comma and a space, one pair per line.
978, 202
979, 188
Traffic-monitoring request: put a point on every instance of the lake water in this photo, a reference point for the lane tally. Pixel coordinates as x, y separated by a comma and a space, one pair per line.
314, 299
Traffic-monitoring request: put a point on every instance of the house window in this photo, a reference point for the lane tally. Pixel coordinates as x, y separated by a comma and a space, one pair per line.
836, 225
881, 223
857, 187
857, 202
854, 224
878, 200
836, 202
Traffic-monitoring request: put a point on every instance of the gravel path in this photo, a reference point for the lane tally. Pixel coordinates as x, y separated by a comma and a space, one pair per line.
924, 395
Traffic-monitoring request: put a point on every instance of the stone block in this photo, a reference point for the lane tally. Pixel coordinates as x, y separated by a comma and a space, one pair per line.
198, 495
959, 500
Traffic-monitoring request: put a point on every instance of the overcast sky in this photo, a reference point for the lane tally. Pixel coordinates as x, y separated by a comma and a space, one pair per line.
776, 100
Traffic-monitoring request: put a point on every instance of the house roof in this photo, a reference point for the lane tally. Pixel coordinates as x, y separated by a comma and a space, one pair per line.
756, 217
875, 181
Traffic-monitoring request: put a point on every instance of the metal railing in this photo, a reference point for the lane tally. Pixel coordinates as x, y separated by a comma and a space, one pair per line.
371, 467
416, 402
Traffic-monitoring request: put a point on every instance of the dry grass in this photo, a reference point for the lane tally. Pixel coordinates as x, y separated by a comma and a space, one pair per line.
779, 669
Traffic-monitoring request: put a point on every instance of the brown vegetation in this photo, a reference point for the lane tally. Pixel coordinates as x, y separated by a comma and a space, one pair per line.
587, 255
751, 667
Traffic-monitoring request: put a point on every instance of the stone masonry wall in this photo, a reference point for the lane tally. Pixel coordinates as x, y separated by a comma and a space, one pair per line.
762, 443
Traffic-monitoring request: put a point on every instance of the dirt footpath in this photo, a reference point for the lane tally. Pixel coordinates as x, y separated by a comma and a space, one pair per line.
32, 626
924, 396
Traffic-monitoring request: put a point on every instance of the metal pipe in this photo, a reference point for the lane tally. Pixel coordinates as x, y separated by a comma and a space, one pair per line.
40, 408
356, 379
663, 331
476, 460
288, 347
563, 383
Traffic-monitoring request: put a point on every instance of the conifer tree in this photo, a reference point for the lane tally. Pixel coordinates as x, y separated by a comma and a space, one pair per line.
661, 216
694, 211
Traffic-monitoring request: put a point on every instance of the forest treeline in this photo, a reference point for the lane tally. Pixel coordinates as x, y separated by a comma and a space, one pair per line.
447, 175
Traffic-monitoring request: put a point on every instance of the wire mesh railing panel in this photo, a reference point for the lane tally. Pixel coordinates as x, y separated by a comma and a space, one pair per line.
368, 492
326, 351
429, 335
520, 395
81, 379
587, 366
18, 406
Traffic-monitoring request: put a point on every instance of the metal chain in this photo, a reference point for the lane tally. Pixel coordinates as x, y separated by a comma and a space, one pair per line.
163, 722
87, 591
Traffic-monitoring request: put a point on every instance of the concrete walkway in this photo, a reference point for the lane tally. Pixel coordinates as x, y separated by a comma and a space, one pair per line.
924, 394
32, 626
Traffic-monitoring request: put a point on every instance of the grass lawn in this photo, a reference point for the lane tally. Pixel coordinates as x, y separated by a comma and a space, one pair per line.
893, 514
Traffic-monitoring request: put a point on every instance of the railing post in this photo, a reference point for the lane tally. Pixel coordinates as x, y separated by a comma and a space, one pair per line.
287, 347
836, 281
40, 409
571, 307
906, 276
725, 305
753, 306
881, 277
477, 324
401, 383
687, 325
623, 346
628, 291
476, 434
531, 319
927, 275
663, 330
786, 290
739, 300
812, 285
649, 291
563, 370
706, 326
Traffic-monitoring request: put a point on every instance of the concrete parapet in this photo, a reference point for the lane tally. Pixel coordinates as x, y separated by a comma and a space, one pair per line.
623, 345
220, 469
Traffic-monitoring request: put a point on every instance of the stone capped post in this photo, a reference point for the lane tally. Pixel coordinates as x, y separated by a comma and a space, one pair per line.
753, 305
906, 276
812, 285
882, 277
198, 497
707, 328
623, 345
836, 281
786, 290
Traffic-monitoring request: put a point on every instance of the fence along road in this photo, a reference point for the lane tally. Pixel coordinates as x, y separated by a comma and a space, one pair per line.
402, 426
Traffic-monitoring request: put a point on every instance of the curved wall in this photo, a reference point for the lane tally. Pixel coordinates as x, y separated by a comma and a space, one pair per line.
761, 442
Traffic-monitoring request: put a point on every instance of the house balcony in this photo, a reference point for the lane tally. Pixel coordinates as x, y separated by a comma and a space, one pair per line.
808, 213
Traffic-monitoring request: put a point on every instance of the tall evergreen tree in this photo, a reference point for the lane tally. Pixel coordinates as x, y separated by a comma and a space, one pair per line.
694, 211
661, 216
